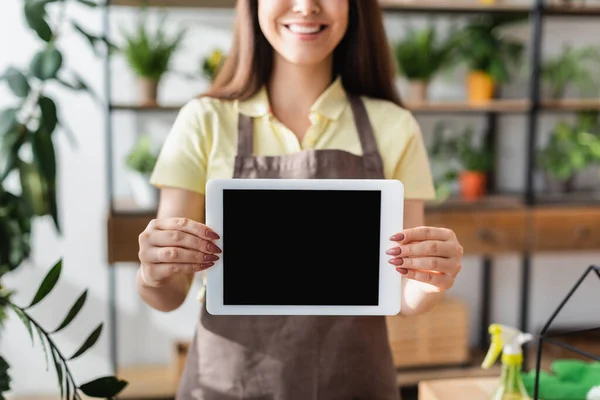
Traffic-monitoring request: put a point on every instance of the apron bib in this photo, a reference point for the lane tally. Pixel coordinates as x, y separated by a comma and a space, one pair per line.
294, 357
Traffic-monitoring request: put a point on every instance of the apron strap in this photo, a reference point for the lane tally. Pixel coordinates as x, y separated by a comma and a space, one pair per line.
245, 144
363, 125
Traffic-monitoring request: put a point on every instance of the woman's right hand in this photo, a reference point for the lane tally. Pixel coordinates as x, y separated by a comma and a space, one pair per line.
175, 246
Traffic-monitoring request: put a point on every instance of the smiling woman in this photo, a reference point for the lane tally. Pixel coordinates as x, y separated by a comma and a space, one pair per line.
307, 92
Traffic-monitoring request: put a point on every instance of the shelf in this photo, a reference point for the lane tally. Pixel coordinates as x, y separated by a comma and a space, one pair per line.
491, 202
220, 4
462, 106
449, 6
148, 382
570, 104
574, 199
572, 11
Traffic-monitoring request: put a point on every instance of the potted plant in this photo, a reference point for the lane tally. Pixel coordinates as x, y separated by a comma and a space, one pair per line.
149, 55
420, 55
212, 63
140, 162
569, 150
488, 56
578, 67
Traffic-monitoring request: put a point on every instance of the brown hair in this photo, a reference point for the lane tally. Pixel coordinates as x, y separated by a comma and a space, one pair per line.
363, 58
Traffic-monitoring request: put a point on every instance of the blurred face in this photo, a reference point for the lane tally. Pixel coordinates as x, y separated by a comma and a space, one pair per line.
303, 31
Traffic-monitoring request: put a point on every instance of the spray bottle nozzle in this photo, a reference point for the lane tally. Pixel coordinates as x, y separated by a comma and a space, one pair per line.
506, 340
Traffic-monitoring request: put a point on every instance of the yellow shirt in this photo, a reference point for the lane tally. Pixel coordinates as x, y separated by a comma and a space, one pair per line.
203, 140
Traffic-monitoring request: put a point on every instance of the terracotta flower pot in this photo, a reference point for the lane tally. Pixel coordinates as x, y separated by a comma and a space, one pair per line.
418, 91
148, 91
480, 87
472, 184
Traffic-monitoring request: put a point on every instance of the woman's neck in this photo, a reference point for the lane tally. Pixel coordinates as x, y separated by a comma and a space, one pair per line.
293, 89
298, 86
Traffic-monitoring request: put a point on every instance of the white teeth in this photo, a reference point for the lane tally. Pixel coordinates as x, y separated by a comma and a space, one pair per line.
304, 29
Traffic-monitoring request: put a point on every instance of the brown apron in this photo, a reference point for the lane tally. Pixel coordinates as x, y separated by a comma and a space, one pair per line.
294, 357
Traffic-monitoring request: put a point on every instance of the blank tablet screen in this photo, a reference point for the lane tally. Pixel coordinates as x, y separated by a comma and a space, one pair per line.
301, 247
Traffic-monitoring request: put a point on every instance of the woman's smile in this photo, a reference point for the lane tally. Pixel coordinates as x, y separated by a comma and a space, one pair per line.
305, 30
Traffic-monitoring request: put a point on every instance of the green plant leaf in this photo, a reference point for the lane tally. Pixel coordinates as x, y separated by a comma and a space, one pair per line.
8, 120
8, 149
17, 82
88, 3
46, 64
59, 371
79, 85
73, 311
43, 343
35, 15
105, 387
34, 189
24, 318
49, 113
91, 39
4, 376
44, 154
47, 284
89, 342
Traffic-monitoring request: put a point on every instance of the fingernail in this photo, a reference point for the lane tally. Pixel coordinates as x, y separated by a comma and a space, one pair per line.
212, 235
397, 237
396, 261
394, 251
213, 248
206, 265
403, 271
210, 257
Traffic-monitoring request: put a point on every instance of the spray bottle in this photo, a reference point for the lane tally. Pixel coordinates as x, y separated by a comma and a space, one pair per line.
509, 341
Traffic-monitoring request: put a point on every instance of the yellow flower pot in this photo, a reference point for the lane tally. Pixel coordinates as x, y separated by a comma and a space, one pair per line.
480, 87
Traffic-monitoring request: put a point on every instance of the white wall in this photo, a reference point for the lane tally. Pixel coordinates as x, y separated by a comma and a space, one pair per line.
145, 336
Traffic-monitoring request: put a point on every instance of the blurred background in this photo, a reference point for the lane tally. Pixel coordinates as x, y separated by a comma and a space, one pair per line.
507, 94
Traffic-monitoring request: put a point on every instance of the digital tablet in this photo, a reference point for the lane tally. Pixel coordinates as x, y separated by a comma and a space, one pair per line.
304, 246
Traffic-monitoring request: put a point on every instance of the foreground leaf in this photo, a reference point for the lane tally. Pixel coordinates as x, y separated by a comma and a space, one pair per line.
33, 189
48, 283
59, 371
17, 82
105, 387
46, 64
9, 145
73, 311
49, 113
8, 120
43, 343
35, 15
4, 377
89, 342
23, 317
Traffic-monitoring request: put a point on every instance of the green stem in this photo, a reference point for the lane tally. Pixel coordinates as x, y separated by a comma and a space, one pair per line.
51, 343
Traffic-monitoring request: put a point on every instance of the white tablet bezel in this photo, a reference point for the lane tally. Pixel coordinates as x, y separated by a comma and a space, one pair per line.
392, 219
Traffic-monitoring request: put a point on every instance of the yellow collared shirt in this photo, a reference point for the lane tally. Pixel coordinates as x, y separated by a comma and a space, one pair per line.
202, 142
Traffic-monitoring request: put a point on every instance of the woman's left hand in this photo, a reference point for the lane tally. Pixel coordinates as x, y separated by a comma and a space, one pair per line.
429, 255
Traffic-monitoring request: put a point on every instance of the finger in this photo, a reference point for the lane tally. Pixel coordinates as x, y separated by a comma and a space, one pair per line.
186, 225
177, 255
440, 281
181, 239
429, 248
158, 272
423, 233
437, 264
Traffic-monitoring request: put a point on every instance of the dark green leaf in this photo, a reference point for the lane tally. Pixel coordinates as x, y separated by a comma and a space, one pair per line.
4, 377
8, 120
46, 64
8, 149
35, 15
49, 113
73, 311
43, 343
34, 191
23, 317
79, 85
44, 155
59, 371
88, 3
89, 342
17, 82
92, 39
105, 387
48, 283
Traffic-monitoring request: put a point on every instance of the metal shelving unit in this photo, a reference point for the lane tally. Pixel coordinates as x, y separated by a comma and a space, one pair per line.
127, 221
